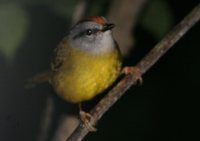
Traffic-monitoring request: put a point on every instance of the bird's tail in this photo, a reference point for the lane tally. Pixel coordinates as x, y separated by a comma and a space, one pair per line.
38, 79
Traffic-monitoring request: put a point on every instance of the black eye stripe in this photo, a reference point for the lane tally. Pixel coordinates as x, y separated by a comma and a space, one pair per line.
87, 32
91, 31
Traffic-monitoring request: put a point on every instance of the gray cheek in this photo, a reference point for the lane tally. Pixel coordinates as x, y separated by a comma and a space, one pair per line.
85, 43
90, 39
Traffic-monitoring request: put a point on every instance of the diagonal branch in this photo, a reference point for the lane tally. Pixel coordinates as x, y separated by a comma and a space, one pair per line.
144, 65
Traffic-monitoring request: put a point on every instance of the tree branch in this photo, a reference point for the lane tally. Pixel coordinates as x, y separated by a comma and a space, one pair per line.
144, 65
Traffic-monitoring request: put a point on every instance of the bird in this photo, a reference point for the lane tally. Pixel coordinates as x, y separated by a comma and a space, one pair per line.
86, 62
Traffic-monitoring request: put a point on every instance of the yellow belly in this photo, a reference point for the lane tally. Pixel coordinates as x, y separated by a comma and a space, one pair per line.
83, 76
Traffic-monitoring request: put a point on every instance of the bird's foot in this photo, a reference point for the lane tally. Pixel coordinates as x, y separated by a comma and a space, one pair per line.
135, 71
85, 118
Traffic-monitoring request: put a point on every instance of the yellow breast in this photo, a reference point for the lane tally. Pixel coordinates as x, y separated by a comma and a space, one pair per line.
82, 76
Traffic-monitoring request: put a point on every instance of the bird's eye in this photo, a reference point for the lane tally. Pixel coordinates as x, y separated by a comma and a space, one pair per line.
89, 32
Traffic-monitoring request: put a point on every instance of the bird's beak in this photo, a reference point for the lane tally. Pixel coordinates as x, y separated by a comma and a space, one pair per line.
107, 26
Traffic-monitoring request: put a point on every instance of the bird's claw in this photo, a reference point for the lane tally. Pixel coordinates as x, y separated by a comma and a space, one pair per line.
85, 118
135, 71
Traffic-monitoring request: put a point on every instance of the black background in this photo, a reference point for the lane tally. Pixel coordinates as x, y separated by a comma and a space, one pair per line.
165, 107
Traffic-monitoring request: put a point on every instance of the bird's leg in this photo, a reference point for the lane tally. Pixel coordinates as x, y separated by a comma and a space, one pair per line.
85, 118
135, 71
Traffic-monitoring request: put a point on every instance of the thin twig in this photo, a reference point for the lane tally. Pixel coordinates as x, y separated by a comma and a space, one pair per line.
46, 119
144, 65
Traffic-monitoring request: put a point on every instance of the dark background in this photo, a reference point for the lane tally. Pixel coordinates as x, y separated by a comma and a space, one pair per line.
165, 107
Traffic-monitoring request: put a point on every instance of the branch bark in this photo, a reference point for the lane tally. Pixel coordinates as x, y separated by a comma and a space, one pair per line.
144, 65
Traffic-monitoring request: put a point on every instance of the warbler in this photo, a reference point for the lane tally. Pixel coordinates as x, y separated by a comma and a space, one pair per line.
86, 62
